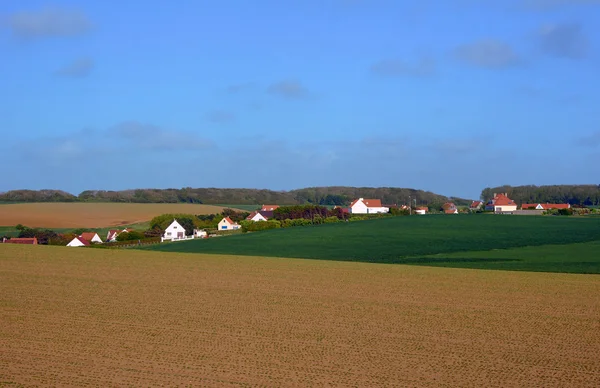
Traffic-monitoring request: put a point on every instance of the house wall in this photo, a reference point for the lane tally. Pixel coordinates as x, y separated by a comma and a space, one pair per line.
174, 231
96, 239
360, 208
258, 217
505, 208
75, 243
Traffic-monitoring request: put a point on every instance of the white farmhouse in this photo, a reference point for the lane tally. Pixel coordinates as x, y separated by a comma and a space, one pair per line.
259, 216
227, 224
91, 237
174, 232
199, 233
367, 206
78, 242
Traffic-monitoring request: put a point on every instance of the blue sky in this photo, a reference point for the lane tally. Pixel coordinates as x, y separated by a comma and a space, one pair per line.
447, 96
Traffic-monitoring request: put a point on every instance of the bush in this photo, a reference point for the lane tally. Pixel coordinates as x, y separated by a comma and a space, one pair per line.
130, 236
331, 220
252, 226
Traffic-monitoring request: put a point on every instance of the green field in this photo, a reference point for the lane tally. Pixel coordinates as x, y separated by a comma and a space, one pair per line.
10, 231
412, 240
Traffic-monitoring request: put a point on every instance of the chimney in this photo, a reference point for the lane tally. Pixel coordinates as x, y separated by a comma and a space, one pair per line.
361, 199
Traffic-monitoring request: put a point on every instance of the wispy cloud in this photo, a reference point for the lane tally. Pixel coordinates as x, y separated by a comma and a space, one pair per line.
153, 138
489, 53
238, 88
396, 68
563, 40
591, 140
289, 89
47, 22
77, 69
548, 4
220, 116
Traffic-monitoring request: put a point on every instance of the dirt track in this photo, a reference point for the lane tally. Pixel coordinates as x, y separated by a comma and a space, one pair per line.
104, 318
92, 215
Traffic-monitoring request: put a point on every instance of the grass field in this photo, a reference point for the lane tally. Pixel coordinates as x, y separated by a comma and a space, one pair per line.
247, 208
410, 239
92, 215
86, 317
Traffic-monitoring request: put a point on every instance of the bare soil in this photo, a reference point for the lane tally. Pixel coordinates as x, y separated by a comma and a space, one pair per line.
92, 215
87, 317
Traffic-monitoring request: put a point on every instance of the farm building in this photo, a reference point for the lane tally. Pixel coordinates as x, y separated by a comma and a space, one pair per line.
476, 205
174, 232
199, 233
91, 237
21, 240
268, 208
421, 210
78, 242
450, 208
260, 215
367, 206
501, 204
227, 224
112, 235
545, 206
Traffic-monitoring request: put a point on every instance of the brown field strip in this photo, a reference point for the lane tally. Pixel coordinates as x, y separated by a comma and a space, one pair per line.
92, 215
91, 317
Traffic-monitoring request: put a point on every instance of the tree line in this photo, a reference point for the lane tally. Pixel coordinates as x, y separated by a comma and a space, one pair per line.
585, 195
324, 196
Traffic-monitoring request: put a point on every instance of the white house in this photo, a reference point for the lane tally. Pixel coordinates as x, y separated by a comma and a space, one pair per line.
367, 206
91, 237
258, 216
227, 224
501, 203
174, 232
78, 242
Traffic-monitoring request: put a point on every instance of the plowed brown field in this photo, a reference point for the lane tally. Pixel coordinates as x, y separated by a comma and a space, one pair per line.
91, 317
92, 215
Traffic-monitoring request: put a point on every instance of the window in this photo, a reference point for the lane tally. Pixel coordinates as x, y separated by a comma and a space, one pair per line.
224, 227
168, 233
174, 227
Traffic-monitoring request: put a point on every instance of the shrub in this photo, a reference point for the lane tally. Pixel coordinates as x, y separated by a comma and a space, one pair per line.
252, 226
130, 236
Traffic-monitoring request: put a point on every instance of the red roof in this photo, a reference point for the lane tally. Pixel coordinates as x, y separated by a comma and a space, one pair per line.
269, 208
450, 211
423, 208
502, 200
229, 220
23, 240
83, 241
368, 202
88, 235
476, 204
251, 215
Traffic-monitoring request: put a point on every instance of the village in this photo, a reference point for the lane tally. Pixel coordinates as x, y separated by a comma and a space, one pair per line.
174, 232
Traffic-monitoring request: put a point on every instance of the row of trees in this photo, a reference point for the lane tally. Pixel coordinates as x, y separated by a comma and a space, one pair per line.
341, 196
585, 195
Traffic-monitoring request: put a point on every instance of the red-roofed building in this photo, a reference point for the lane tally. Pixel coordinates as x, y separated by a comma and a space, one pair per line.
449, 208
91, 237
22, 240
79, 242
476, 205
422, 210
112, 235
227, 224
367, 206
545, 206
260, 215
268, 208
501, 204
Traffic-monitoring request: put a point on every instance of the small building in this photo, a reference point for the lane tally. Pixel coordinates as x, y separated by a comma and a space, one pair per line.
545, 206
112, 235
174, 232
91, 237
367, 206
21, 240
78, 242
200, 233
476, 205
227, 224
261, 215
450, 208
268, 208
501, 204
421, 210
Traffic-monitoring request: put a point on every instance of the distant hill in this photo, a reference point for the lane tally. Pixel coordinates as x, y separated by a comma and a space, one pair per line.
338, 195
587, 195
